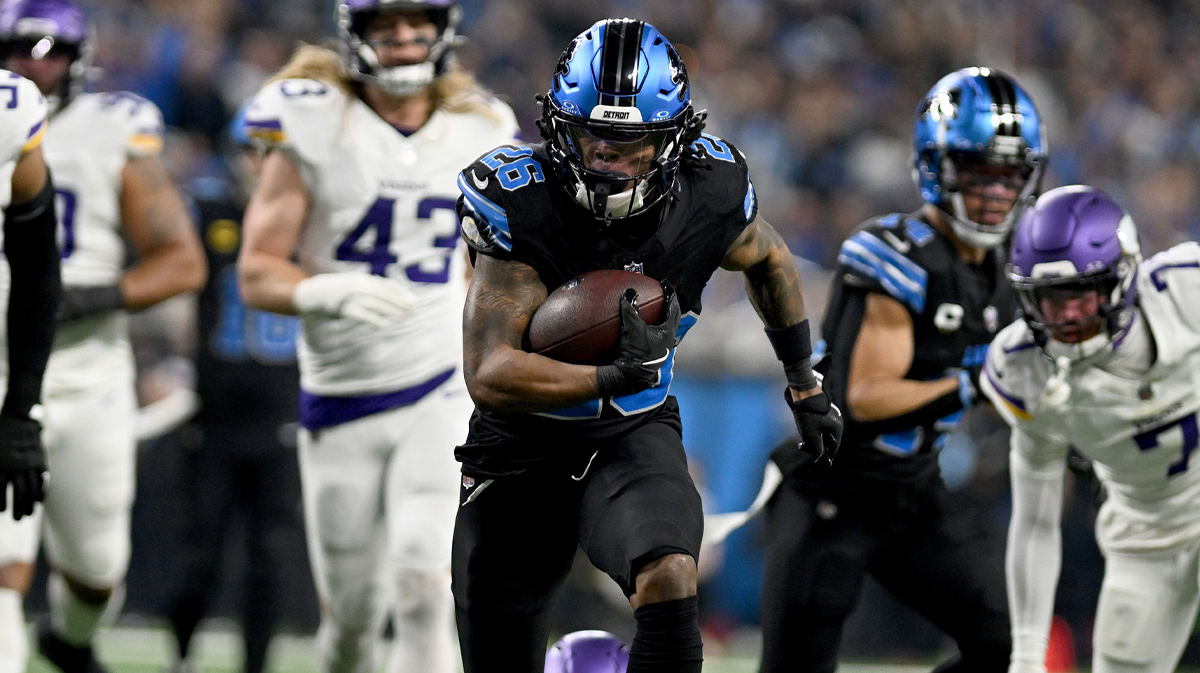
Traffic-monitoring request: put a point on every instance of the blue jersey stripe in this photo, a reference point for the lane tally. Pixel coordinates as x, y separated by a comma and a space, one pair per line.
491, 215
900, 286
892, 256
751, 201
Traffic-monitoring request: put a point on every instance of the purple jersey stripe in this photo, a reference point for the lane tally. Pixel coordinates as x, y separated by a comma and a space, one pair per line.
318, 411
273, 124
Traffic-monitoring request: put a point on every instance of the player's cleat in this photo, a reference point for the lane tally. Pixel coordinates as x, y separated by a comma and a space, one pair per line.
68, 658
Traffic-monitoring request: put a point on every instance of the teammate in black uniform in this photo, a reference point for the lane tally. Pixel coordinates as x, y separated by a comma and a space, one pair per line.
916, 300
245, 463
562, 455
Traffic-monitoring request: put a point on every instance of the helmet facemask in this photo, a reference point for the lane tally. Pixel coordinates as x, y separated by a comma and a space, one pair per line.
956, 173
362, 57
616, 171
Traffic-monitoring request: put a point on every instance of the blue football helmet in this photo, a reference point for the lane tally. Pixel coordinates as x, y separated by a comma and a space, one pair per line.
615, 116
38, 28
353, 18
977, 116
588, 652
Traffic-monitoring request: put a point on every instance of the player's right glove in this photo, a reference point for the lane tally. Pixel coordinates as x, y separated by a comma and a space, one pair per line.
374, 300
643, 348
819, 422
22, 464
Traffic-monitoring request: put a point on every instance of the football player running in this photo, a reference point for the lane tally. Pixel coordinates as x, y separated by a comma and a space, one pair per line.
915, 302
111, 188
560, 455
32, 294
359, 184
1106, 360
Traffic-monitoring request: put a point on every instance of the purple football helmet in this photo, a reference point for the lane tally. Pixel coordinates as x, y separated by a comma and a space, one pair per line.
353, 18
38, 28
588, 652
1075, 239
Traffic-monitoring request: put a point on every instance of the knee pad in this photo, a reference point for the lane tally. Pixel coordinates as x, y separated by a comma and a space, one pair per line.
97, 561
1126, 628
422, 597
419, 544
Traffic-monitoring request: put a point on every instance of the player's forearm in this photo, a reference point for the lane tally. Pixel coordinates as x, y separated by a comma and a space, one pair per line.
880, 399
173, 269
1033, 557
513, 381
774, 288
268, 282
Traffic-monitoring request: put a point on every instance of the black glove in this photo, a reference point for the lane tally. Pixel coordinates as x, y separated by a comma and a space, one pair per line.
819, 422
81, 301
22, 464
643, 348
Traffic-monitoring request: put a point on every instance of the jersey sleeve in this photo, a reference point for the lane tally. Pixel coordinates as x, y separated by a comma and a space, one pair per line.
142, 121
298, 116
23, 110
1167, 286
879, 259
729, 190
483, 207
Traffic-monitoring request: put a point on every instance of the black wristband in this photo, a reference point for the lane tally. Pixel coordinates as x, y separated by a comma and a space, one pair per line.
82, 301
800, 375
792, 343
608, 380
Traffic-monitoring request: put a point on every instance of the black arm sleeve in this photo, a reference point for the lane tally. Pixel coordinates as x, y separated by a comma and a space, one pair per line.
33, 258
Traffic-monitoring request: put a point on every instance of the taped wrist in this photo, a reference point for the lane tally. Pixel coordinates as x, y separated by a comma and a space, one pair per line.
79, 302
793, 347
33, 260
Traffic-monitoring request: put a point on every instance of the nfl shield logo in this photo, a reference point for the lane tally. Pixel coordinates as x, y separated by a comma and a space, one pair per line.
635, 267
468, 482
991, 317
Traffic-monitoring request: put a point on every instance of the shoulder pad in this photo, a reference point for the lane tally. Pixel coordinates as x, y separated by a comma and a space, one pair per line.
877, 256
299, 114
485, 185
735, 190
136, 118
912, 228
23, 114
1167, 286
1010, 376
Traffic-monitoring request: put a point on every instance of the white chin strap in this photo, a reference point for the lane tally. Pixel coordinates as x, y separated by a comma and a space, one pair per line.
621, 204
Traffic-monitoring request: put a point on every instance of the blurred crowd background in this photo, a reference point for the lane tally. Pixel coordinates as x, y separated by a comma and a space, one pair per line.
820, 96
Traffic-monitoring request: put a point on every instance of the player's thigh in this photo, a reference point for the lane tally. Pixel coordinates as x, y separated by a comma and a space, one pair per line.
423, 480
91, 454
951, 572
640, 504
514, 540
817, 556
1145, 613
342, 472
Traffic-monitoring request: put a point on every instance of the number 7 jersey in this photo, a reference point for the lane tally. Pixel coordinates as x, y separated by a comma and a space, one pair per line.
381, 203
1134, 414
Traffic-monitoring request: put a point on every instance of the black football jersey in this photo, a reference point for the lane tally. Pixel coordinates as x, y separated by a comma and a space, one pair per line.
246, 359
956, 309
515, 208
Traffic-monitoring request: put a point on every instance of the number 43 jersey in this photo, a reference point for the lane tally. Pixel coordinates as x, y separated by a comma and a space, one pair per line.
1133, 412
381, 203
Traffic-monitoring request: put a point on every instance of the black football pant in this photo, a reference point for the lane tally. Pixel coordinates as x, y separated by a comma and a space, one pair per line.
820, 549
516, 536
244, 472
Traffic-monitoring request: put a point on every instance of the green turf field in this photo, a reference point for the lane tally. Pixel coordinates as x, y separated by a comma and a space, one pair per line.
150, 650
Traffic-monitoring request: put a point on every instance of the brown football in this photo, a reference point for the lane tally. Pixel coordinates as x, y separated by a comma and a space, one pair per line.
580, 321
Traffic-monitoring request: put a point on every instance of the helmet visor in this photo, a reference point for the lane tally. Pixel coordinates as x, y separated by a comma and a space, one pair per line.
617, 153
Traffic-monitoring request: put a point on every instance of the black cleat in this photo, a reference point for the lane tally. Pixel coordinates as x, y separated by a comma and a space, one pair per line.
68, 658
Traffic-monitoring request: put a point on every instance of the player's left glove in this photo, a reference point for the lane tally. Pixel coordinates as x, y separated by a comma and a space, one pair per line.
819, 422
22, 464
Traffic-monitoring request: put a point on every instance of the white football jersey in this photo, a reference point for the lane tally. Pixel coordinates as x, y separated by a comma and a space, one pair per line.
87, 146
1133, 412
381, 203
22, 128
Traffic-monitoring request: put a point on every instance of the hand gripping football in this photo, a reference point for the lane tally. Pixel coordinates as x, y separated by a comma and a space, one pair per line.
580, 322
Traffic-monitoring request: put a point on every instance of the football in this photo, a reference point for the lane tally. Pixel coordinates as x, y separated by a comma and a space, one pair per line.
580, 321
